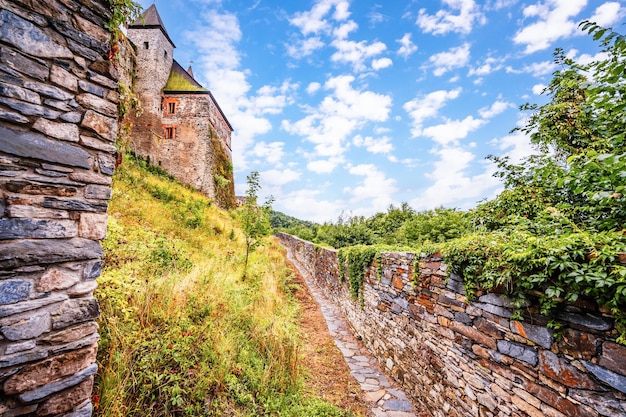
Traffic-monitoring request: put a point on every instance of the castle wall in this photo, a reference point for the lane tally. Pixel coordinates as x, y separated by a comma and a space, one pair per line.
461, 358
58, 109
153, 65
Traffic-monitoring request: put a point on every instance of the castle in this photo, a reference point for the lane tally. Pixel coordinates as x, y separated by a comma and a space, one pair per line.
182, 128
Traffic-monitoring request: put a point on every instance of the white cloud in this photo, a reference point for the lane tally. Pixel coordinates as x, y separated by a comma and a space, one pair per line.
314, 21
452, 130
452, 185
489, 65
428, 106
407, 47
373, 145
304, 47
278, 177
607, 14
344, 30
537, 69
356, 53
381, 63
555, 20
272, 152
445, 21
216, 42
496, 108
453, 58
538, 88
313, 87
376, 189
325, 166
309, 204
336, 117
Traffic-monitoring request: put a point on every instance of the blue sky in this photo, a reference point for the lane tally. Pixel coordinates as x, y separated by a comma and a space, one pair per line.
350, 106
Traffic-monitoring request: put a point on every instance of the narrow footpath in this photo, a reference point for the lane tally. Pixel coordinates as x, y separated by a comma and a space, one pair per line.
383, 396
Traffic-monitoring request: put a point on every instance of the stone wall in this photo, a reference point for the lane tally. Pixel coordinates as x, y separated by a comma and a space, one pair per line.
461, 358
58, 109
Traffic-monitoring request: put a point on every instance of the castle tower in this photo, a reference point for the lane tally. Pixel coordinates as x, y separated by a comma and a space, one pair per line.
155, 51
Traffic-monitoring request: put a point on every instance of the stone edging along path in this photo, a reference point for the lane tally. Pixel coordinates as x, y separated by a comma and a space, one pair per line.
385, 397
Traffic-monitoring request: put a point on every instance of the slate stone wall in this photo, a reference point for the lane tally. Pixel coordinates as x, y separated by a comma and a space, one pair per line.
58, 110
462, 358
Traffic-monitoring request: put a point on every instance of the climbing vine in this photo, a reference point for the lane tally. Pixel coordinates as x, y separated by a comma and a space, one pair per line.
358, 259
222, 174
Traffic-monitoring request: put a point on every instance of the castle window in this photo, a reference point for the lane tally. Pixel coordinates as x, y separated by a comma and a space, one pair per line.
171, 107
146, 45
169, 132
165, 54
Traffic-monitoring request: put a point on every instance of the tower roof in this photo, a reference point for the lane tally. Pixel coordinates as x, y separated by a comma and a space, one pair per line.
150, 19
182, 81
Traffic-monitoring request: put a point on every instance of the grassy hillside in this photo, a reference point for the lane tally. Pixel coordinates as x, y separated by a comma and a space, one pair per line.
182, 333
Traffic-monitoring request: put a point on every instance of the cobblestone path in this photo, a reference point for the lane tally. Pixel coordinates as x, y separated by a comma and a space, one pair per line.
384, 395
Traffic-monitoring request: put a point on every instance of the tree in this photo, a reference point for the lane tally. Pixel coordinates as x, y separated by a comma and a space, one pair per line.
581, 168
255, 219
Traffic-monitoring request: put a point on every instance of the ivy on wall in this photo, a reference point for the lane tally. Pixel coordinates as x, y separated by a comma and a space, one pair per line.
222, 174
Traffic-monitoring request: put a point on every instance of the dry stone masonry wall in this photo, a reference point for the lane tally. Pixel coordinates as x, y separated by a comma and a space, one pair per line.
462, 358
58, 110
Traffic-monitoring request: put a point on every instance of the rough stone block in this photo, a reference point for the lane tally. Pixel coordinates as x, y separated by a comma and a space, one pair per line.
104, 126
94, 143
7, 360
59, 278
613, 357
13, 91
29, 109
16, 253
75, 311
93, 226
585, 320
68, 399
84, 410
59, 385
14, 291
616, 381
540, 335
473, 334
63, 78
48, 90
71, 334
560, 370
98, 192
32, 145
63, 131
12, 116
19, 347
36, 212
17, 61
28, 187
98, 104
74, 204
25, 228
90, 177
40, 374
93, 270
523, 353
27, 328
29, 38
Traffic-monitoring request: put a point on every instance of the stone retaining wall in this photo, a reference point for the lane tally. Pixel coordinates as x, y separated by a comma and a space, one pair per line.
58, 110
469, 359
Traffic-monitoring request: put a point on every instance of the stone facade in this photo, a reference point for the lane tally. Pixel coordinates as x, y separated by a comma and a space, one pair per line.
461, 358
58, 112
181, 123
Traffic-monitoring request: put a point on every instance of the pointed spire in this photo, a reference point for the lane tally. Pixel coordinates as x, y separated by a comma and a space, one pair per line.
150, 19
190, 71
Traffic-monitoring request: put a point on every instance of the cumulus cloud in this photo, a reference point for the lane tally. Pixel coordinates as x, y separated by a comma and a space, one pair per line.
460, 19
380, 145
304, 47
496, 108
355, 53
452, 130
452, 184
375, 188
278, 177
309, 204
428, 106
336, 117
313, 87
216, 42
537, 69
272, 152
407, 47
556, 19
607, 14
490, 65
448, 60
538, 88
381, 63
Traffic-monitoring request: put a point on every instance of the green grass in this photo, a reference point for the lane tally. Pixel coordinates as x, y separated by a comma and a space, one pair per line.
182, 335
